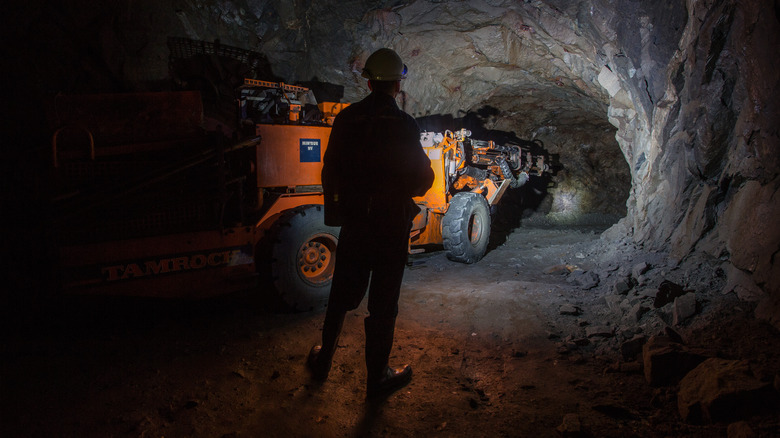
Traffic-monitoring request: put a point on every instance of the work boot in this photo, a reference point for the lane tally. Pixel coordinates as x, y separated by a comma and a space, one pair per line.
319, 367
382, 380
390, 381
321, 356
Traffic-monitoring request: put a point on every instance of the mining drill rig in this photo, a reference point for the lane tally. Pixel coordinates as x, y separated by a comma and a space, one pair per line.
470, 177
147, 203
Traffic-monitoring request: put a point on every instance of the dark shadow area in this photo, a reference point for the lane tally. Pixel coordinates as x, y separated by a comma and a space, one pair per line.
217, 71
437, 123
324, 91
372, 411
516, 205
475, 121
57, 355
82, 317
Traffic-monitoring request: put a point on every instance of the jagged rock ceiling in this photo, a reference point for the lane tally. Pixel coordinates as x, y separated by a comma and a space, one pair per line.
676, 99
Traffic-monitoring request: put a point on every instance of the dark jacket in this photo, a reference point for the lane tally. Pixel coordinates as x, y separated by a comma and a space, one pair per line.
374, 160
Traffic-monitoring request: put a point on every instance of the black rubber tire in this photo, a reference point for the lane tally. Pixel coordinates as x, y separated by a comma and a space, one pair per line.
466, 227
301, 255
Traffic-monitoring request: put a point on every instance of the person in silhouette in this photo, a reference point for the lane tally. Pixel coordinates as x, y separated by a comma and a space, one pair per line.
374, 165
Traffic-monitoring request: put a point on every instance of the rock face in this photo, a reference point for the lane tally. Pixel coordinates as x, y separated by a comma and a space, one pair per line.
722, 390
666, 361
700, 186
678, 100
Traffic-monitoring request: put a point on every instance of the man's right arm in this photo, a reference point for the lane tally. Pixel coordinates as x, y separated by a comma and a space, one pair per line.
331, 160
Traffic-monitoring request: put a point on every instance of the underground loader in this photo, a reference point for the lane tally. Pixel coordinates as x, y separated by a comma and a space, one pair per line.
470, 177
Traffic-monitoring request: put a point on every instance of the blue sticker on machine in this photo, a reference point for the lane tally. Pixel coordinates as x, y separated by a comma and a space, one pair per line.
310, 150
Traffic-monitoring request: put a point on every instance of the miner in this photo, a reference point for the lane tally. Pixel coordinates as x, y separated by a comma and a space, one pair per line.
374, 165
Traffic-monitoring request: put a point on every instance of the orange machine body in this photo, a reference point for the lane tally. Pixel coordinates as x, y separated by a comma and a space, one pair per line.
167, 211
290, 155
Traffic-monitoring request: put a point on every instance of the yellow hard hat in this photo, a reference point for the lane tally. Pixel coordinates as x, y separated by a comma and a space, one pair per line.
384, 65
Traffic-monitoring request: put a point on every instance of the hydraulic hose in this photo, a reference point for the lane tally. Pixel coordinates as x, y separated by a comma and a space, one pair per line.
506, 172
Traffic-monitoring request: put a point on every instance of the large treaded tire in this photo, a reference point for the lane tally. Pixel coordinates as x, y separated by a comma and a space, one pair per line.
466, 227
300, 257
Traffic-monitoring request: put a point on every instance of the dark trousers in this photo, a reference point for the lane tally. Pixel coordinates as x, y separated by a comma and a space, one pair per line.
372, 254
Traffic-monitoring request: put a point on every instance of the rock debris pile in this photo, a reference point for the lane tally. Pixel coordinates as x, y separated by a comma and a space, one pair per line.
639, 312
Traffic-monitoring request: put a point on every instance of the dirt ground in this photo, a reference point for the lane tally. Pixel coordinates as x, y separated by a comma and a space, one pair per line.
491, 351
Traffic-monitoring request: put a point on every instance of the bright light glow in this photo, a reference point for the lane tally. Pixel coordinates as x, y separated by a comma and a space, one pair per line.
566, 202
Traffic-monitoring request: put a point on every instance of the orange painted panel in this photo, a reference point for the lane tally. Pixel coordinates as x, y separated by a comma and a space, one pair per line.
290, 155
431, 233
434, 201
435, 197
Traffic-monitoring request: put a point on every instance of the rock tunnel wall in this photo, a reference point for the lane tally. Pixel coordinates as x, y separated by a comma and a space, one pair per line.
688, 88
701, 138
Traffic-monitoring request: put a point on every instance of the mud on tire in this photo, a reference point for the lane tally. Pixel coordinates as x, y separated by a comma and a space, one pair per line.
466, 227
299, 257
